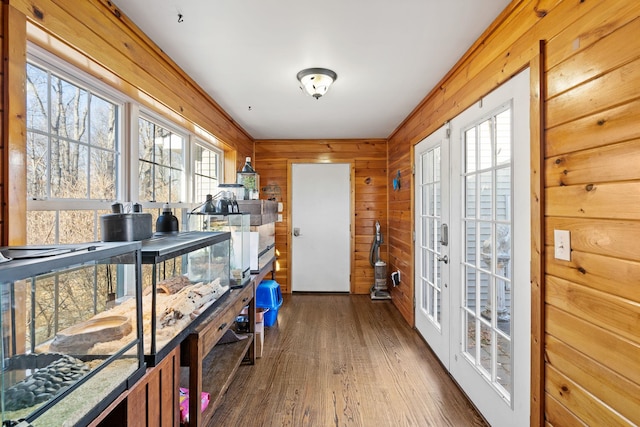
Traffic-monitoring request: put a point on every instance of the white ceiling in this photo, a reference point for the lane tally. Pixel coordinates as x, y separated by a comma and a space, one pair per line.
388, 55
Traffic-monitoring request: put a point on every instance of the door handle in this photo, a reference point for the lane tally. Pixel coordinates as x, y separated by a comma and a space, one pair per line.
444, 259
444, 233
296, 231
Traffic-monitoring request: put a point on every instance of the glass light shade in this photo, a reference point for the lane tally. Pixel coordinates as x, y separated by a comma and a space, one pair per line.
316, 81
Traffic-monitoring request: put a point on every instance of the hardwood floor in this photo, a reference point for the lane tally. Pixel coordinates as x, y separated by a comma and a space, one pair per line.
342, 360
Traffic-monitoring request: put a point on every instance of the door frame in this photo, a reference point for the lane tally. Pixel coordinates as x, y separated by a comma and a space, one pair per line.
352, 187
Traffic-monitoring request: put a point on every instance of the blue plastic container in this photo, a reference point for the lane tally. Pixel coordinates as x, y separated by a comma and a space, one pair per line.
269, 295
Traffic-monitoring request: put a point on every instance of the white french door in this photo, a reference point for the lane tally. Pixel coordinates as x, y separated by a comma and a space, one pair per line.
483, 313
431, 254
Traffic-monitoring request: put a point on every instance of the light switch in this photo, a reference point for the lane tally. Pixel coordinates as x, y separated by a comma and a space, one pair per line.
562, 244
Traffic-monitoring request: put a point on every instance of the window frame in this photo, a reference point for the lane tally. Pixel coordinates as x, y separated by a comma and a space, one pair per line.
135, 160
43, 59
199, 142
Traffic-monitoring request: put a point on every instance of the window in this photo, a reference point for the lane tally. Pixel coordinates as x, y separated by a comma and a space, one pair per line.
160, 163
73, 156
206, 165
78, 160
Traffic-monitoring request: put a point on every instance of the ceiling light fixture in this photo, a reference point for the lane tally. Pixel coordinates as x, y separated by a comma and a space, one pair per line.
316, 81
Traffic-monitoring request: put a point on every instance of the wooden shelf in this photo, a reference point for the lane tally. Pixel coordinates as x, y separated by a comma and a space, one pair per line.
211, 366
218, 370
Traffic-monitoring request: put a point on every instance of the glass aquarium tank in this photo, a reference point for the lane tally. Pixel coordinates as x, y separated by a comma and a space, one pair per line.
264, 214
239, 251
250, 180
68, 350
184, 277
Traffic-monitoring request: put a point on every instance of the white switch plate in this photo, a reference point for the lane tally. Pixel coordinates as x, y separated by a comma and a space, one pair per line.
562, 246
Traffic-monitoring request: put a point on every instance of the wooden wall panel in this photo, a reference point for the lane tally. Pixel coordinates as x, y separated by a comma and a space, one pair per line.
595, 95
272, 159
615, 314
598, 272
607, 385
617, 124
584, 405
590, 186
613, 162
14, 126
558, 415
604, 347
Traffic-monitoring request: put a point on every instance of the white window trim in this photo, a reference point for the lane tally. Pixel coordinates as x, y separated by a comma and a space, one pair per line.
46, 60
195, 141
186, 157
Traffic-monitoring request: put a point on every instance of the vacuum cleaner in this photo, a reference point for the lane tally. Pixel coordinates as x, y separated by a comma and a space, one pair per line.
379, 289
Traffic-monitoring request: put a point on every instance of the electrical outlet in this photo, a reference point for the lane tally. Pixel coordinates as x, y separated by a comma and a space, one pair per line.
395, 278
562, 244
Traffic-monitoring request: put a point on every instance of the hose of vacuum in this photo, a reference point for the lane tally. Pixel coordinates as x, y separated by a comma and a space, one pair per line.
372, 253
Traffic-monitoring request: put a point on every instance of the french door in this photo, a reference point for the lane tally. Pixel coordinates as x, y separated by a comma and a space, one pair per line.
431, 254
472, 255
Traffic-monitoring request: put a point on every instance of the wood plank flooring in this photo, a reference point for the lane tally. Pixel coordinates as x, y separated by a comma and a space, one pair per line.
343, 360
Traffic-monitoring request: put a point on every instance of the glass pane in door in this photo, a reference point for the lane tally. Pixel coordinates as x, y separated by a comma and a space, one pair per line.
430, 214
487, 227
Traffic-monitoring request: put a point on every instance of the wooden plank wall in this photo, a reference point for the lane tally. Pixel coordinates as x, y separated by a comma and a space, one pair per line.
272, 158
12, 128
591, 181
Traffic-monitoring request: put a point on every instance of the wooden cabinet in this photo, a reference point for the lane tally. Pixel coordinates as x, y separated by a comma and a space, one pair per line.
153, 401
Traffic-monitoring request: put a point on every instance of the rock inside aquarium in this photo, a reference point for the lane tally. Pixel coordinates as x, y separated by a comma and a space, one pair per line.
45, 383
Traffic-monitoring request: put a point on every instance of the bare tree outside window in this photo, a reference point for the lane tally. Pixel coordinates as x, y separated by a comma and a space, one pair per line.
72, 154
161, 163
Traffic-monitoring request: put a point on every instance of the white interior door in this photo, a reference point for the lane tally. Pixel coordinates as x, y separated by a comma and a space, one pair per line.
321, 221
431, 252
